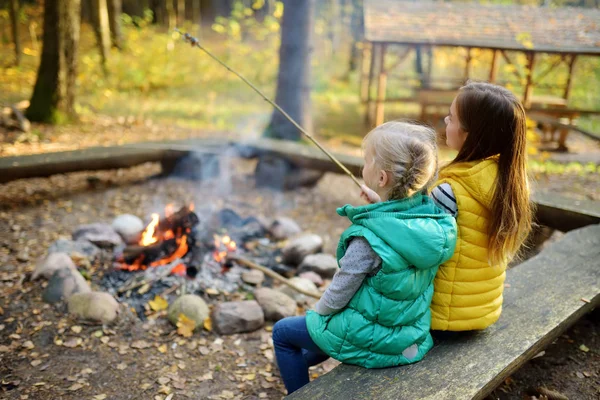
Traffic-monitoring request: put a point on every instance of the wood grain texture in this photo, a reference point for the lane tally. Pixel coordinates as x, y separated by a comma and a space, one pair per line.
544, 298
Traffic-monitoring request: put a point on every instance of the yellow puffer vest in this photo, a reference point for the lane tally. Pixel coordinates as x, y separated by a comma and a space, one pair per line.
467, 290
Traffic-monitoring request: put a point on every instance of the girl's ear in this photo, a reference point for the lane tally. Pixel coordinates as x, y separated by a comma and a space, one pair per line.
383, 179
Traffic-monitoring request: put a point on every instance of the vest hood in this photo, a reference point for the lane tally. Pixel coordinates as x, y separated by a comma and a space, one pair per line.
411, 227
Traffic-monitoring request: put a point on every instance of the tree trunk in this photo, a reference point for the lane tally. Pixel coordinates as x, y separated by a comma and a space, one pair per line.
197, 16
13, 8
114, 21
53, 98
180, 12
356, 28
101, 28
170, 10
293, 81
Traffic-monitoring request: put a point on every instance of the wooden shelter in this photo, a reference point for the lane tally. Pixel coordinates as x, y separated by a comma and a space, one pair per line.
402, 27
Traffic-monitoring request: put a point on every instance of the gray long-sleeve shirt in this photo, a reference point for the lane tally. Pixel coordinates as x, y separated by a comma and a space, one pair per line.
358, 262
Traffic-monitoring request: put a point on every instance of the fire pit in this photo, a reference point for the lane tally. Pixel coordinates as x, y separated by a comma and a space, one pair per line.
180, 249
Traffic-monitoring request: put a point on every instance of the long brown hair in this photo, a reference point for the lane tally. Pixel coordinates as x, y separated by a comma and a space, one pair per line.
494, 120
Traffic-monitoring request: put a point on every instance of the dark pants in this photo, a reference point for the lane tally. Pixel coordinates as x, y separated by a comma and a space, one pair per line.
295, 352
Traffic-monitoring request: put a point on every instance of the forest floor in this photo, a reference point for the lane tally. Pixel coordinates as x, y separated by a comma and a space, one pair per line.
42, 358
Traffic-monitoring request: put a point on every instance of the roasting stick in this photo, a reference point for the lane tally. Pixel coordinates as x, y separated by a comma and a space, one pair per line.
194, 42
272, 274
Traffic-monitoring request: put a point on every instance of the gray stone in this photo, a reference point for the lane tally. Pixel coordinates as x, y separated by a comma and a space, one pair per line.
312, 276
323, 264
63, 284
253, 277
275, 305
68, 246
101, 234
94, 306
301, 283
298, 248
284, 228
129, 227
52, 263
237, 317
190, 305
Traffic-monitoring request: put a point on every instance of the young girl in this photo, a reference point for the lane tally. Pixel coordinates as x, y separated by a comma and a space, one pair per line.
486, 188
376, 311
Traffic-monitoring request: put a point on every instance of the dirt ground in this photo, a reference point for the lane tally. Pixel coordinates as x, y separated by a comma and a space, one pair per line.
44, 354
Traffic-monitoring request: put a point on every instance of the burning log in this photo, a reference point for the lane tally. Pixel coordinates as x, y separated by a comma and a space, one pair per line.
178, 223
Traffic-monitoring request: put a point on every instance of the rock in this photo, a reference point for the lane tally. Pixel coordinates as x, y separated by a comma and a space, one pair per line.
253, 277
101, 234
79, 246
284, 228
191, 306
302, 284
295, 251
23, 257
275, 305
63, 284
129, 227
52, 263
237, 317
94, 306
323, 264
312, 276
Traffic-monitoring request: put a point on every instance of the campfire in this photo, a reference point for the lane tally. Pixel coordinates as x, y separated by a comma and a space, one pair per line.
163, 241
179, 248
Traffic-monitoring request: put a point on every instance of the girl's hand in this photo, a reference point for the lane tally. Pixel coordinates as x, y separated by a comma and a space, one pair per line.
369, 195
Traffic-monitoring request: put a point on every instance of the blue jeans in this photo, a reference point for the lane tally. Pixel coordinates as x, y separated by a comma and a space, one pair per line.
295, 351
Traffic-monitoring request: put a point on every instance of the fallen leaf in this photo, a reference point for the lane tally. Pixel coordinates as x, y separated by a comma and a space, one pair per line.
250, 377
75, 387
162, 348
76, 328
73, 342
140, 344
28, 345
35, 363
179, 385
580, 375
145, 386
262, 395
121, 366
5, 349
208, 324
584, 348
163, 380
202, 349
104, 339
98, 334
158, 304
226, 394
185, 326
269, 328
100, 397
169, 397
211, 291
181, 365
164, 390
86, 371
206, 377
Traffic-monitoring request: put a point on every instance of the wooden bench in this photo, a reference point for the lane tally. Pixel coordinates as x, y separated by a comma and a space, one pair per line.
543, 297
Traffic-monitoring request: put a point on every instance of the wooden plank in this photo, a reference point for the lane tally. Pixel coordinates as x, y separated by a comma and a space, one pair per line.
543, 300
494, 66
564, 213
381, 87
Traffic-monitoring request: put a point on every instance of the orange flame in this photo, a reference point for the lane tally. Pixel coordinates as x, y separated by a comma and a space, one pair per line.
148, 234
180, 252
223, 246
179, 269
191, 207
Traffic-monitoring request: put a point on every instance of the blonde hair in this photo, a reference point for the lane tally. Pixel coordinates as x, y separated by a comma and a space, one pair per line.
408, 152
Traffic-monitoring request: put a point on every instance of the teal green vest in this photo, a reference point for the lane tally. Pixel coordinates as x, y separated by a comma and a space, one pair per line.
389, 314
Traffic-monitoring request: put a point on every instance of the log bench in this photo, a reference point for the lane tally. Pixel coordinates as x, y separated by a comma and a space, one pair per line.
553, 210
544, 296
